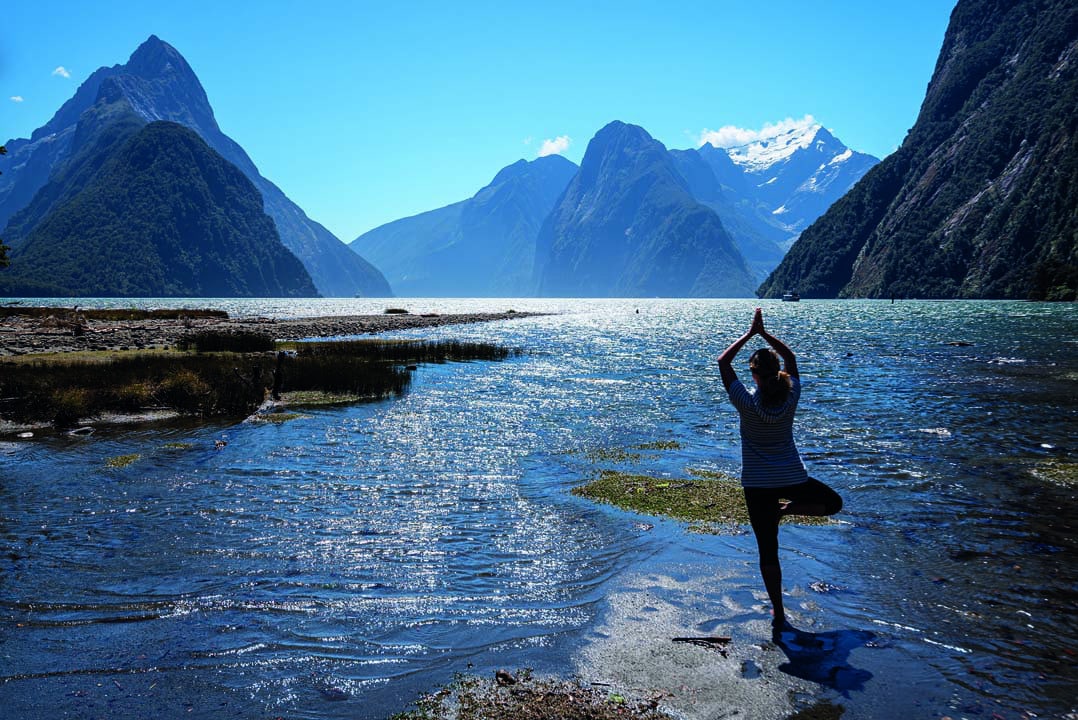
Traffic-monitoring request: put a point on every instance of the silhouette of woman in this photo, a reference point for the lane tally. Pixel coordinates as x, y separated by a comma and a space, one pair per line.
773, 477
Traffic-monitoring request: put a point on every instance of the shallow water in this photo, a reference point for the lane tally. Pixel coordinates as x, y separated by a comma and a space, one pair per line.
339, 564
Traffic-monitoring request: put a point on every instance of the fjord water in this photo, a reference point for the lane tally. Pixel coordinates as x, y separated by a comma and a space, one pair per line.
338, 564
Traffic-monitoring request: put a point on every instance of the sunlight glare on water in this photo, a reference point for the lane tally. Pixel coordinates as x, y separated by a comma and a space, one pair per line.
341, 563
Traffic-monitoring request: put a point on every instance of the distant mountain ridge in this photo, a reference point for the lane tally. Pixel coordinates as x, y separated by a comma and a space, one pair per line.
763, 194
158, 84
480, 247
979, 201
627, 225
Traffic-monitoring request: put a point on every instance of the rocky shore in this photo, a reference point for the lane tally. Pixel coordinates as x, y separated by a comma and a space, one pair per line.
22, 334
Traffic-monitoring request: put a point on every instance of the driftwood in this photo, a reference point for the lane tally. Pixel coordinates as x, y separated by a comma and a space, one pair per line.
711, 643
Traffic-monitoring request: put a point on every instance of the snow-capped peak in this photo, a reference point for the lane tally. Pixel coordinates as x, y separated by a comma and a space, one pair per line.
757, 150
766, 151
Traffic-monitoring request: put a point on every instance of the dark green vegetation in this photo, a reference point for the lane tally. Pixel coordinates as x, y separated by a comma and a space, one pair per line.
979, 202
480, 247
237, 342
156, 84
67, 389
524, 697
628, 226
162, 215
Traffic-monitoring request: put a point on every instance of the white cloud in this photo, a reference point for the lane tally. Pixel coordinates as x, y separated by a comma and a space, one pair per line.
731, 136
61, 71
16, 98
556, 146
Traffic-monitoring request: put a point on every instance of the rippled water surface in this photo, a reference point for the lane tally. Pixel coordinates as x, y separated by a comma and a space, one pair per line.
339, 564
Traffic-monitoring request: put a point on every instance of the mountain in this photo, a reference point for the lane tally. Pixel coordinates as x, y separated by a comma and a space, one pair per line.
767, 191
627, 225
159, 85
979, 200
164, 215
480, 247
800, 172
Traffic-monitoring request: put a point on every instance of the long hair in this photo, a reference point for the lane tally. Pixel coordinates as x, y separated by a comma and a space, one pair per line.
775, 383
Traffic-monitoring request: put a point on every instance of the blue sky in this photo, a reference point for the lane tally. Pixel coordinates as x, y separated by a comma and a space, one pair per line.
365, 112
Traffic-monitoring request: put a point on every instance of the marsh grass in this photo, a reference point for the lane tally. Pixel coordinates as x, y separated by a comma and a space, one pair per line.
207, 341
64, 388
406, 351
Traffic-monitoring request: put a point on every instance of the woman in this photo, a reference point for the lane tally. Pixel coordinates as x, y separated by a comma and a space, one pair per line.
773, 477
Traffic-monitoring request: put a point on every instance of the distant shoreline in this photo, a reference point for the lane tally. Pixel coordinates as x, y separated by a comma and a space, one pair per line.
61, 330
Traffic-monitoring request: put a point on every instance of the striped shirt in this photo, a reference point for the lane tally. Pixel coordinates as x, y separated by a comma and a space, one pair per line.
769, 457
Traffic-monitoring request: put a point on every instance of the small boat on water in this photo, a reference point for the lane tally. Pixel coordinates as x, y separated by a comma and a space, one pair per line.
789, 296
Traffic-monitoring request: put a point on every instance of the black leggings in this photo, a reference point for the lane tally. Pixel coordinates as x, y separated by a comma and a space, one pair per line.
763, 505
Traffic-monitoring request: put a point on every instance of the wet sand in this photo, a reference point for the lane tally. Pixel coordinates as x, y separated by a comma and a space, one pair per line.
21, 335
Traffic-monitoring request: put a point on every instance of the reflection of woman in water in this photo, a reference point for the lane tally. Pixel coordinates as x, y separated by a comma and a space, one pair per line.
772, 475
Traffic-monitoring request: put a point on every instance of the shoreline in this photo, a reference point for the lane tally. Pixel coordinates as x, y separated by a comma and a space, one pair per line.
56, 333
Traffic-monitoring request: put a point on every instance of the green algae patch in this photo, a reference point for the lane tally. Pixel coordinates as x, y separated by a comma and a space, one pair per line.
179, 445
660, 445
520, 696
711, 502
716, 501
277, 418
1059, 472
122, 461
793, 519
317, 397
632, 454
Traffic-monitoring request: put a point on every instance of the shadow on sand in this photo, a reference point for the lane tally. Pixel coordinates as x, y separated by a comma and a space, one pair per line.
823, 657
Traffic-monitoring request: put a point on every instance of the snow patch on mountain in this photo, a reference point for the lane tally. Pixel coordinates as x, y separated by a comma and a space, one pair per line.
755, 150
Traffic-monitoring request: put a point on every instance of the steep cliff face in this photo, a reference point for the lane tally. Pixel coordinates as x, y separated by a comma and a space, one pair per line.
628, 226
158, 84
979, 200
480, 247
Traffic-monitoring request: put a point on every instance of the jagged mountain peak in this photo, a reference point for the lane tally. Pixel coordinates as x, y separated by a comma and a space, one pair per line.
155, 57
621, 133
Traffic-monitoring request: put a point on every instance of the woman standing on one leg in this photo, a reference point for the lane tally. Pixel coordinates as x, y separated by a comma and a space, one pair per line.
771, 466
